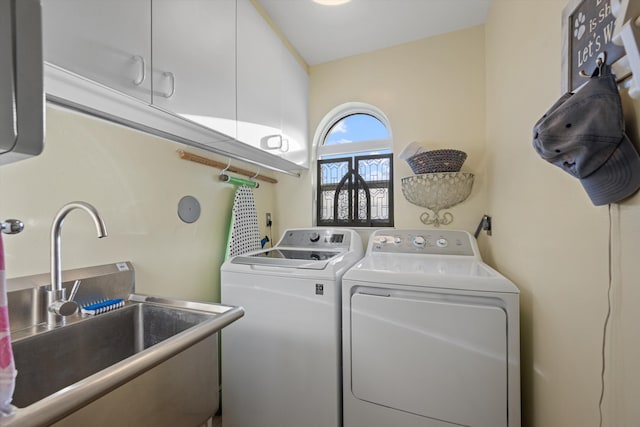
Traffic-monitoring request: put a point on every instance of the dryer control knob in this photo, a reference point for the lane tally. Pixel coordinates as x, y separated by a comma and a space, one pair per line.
419, 242
397, 240
442, 243
314, 237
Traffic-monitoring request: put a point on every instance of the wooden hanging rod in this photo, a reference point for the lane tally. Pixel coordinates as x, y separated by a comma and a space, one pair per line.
205, 161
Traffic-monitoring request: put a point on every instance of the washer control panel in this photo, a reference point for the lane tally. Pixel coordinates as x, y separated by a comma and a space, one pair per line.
316, 238
428, 242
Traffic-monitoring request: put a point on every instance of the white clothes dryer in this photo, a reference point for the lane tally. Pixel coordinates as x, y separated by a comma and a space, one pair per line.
430, 335
281, 363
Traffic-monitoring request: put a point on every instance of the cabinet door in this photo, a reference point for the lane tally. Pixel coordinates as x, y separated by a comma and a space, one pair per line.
106, 41
295, 111
259, 75
194, 61
7, 87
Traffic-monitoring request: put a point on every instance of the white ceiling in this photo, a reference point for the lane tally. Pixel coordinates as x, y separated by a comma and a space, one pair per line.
326, 33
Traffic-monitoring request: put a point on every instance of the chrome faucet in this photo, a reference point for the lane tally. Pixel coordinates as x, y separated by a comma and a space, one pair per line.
57, 304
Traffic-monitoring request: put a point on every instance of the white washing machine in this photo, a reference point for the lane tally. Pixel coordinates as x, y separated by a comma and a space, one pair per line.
281, 363
430, 335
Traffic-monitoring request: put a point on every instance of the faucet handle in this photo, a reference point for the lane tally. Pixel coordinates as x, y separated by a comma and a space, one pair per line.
63, 307
74, 290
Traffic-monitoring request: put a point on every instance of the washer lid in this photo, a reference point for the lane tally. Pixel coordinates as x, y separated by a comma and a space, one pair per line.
290, 258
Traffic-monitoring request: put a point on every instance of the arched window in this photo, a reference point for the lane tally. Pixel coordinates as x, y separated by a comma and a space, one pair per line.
355, 168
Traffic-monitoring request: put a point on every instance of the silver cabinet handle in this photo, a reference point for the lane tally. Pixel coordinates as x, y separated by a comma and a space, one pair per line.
143, 75
172, 77
271, 142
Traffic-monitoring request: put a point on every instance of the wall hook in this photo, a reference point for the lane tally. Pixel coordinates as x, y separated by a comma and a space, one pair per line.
485, 224
11, 226
223, 171
600, 62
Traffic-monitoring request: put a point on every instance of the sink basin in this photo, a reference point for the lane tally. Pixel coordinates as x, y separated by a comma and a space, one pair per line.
165, 350
51, 361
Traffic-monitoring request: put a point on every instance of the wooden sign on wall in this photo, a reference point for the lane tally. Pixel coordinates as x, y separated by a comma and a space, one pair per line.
587, 28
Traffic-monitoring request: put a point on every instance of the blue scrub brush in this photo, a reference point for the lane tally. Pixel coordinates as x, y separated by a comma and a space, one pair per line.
103, 306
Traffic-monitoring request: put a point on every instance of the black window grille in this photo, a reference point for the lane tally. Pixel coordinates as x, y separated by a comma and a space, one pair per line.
356, 191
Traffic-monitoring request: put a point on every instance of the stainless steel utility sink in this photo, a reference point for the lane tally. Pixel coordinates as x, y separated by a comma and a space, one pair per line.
51, 361
152, 362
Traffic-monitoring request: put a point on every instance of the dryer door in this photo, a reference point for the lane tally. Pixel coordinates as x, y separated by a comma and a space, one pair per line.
432, 355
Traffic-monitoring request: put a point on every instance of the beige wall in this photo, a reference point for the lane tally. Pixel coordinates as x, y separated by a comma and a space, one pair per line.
547, 236
552, 241
481, 90
135, 181
432, 92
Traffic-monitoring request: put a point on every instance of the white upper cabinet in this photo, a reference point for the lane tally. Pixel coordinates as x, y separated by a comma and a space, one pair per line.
8, 131
295, 111
208, 73
22, 115
194, 61
272, 98
259, 77
108, 42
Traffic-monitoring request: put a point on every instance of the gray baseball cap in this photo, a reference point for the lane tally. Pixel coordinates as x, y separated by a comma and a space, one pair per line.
583, 134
